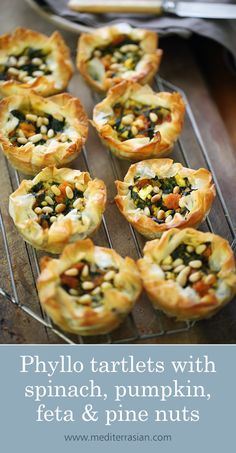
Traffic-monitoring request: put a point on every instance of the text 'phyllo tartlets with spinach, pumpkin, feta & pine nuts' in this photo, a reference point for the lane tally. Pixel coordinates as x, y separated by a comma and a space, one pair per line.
36, 132
57, 207
188, 274
136, 123
111, 54
31, 60
159, 194
89, 290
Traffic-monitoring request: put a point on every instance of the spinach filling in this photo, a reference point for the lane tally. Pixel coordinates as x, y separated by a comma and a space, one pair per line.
29, 127
88, 281
51, 201
160, 196
25, 64
121, 54
144, 120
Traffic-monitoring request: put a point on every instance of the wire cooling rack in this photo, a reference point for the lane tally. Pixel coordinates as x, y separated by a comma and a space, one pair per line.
144, 323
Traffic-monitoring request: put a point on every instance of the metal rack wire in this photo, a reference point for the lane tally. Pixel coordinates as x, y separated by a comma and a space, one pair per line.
131, 331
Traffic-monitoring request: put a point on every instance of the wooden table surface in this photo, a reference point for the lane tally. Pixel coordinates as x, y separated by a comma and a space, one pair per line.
180, 68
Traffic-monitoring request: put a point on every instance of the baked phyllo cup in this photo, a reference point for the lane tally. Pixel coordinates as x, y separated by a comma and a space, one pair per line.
188, 274
31, 60
36, 132
159, 194
89, 290
136, 123
109, 55
57, 207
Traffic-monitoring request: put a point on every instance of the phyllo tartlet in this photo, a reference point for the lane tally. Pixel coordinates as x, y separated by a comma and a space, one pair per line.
36, 132
57, 207
137, 123
89, 290
159, 194
31, 60
188, 274
111, 54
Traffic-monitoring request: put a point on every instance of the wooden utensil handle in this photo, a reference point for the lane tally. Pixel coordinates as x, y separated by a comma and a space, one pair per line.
117, 6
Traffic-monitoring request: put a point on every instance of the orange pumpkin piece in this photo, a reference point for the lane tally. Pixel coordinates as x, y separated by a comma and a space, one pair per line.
69, 281
201, 288
28, 129
171, 201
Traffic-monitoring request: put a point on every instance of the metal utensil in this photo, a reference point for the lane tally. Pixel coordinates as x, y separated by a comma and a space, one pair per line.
179, 8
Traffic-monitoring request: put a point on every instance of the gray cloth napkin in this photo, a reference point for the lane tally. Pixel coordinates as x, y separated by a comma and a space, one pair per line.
222, 31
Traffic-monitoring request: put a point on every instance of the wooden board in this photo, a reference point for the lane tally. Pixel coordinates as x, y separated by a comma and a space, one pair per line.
202, 144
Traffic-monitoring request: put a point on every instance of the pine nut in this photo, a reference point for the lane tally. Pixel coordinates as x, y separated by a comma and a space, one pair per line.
37, 61
176, 189
22, 75
169, 218
55, 190
53, 219
37, 73
12, 60
179, 268
71, 272
38, 210
39, 121
45, 121
35, 138
195, 277
22, 60
85, 299
195, 264
166, 267
156, 189
13, 71
156, 197
146, 211
78, 203
22, 140
43, 129
60, 208
177, 262
85, 271
183, 275
127, 119
87, 285
190, 248
139, 123
50, 133
96, 291
31, 117
109, 275
47, 209
73, 292
44, 203
161, 214
49, 200
42, 67
153, 117
106, 285
134, 130
200, 249
69, 192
